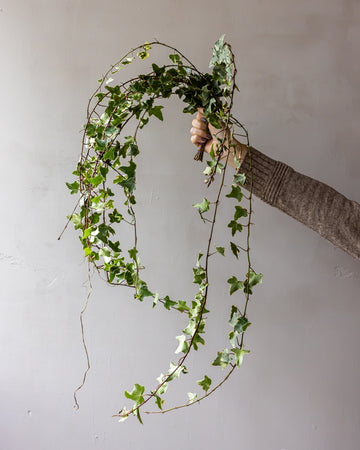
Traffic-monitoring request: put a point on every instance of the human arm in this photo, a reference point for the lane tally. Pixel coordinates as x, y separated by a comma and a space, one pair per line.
311, 202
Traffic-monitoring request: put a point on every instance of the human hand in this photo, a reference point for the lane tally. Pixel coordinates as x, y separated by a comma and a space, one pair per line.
203, 134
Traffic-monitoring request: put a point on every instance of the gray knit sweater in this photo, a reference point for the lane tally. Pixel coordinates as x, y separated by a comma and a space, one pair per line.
309, 201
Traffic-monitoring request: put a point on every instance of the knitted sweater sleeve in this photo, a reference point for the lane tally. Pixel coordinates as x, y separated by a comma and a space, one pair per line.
309, 201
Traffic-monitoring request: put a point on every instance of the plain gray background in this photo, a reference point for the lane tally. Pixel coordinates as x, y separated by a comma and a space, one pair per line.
299, 78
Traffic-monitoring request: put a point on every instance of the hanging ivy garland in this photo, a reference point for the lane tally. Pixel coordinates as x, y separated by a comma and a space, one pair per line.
108, 157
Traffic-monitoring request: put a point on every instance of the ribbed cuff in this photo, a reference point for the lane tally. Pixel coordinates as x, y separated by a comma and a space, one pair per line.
268, 175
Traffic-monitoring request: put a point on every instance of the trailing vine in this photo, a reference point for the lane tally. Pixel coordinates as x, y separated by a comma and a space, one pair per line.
108, 158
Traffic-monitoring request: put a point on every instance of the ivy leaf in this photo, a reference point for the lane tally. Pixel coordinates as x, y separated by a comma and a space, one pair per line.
221, 250
255, 278
232, 338
133, 252
115, 216
197, 339
203, 206
129, 184
156, 111
87, 251
239, 355
124, 414
136, 394
175, 371
241, 325
143, 54
183, 345
182, 306
235, 226
240, 178
74, 187
189, 330
235, 284
175, 58
235, 193
143, 292
240, 212
199, 275
129, 170
168, 303
105, 253
127, 61
192, 397
159, 401
114, 246
76, 220
205, 383
223, 359
235, 249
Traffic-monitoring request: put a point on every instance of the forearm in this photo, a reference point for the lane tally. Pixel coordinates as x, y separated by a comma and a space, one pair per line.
309, 201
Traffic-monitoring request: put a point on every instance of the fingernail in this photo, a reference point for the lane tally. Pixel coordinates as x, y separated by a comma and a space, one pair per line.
203, 139
203, 119
209, 136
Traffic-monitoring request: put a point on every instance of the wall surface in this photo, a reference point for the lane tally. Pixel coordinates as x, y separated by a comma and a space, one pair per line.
299, 79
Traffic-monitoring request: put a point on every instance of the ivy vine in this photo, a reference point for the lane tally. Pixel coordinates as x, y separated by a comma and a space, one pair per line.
106, 172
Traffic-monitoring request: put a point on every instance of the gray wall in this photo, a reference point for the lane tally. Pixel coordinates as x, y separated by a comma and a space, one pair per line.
299, 77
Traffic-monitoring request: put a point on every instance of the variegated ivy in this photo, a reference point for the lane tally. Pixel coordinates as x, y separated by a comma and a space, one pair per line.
107, 168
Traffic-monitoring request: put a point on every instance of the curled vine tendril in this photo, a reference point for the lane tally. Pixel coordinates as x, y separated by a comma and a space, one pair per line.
108, 156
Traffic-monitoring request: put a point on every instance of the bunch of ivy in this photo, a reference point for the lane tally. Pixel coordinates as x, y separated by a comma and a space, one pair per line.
108, 157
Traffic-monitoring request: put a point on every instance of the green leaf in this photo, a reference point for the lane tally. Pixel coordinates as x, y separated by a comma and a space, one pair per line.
189, 330
136, 394
235, 226
105, 253
235, 249
239, 355
129, 184
199, 275
183, 344
223, 359
175, 58
203, 206
76, 220
129, 170
114, 246
235, 284
168, 303
235, 193
143, 292
74, 187
241, 325
255, 278
240, 212
232, 338
221, 250
197, 339
143, 54
159, 401
126, 61
156, 111
115, 216
240, 178
205, 383
182, 306
156, 298
133, 253
175, 371
192, 397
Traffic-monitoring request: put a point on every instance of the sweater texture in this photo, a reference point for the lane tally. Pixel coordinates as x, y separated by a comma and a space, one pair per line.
316, 205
